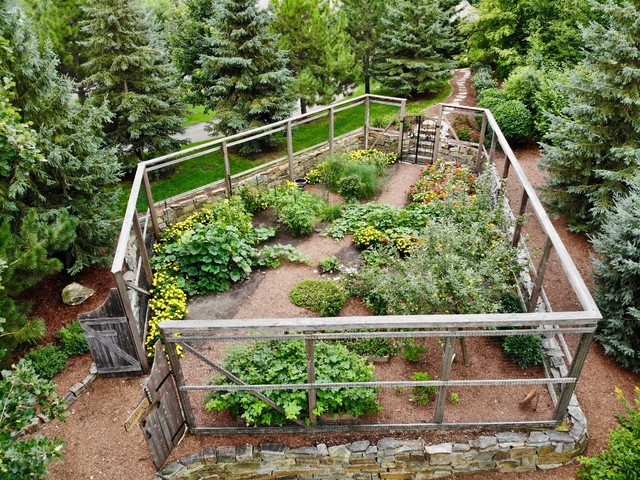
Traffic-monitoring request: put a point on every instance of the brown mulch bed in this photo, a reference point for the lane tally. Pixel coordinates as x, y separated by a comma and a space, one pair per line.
98, 446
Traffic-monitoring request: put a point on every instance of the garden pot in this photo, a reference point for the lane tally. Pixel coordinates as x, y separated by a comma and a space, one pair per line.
301, 182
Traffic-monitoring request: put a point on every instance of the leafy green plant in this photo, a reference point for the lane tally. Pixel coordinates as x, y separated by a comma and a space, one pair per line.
23, 394
327, 297
422, 395
524, 350
358, 181
72, 339
514, 120
47, 361
621, 460
371, 347
254, 198
298, 210
411, 350
454, 398
272, 255
329, 265
331, 212
280, 362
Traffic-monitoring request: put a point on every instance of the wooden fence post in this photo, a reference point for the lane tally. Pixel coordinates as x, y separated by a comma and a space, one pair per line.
445, 373
483, 130
174, 360
366, 122
574, 372
152, 206
132, 322
403, 113
311, 378
332, 131
436, 140
227, 169
290, 149
144, 254
540, 271
520, 220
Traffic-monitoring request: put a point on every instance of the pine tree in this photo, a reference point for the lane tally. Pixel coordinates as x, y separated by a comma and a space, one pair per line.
617, 277
364, 26
594, 147
416, 46
245, 79
76, 176
129, 69
320, 56
57, 22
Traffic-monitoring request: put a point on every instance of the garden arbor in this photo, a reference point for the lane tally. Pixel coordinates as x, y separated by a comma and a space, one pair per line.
566, 334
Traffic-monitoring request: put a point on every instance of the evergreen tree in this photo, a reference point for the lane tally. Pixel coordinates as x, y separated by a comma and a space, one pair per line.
57, 22
320, 56
363, 24
617, 277
129, 69
78, 178
245, 78
416, 46
594, 147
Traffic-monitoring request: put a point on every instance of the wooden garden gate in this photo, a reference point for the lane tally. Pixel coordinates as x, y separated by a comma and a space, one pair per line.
159, 413
114, 341
420, 139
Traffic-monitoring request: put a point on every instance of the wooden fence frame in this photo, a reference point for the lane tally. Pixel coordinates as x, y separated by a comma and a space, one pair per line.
143, 229
550, 324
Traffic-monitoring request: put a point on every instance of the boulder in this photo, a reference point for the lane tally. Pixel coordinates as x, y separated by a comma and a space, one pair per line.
75, 294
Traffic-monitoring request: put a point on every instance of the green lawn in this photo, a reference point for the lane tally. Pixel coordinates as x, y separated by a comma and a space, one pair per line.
196, 114
201, 171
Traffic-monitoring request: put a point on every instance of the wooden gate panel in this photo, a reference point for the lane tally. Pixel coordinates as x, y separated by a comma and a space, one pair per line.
164, 424
111, 341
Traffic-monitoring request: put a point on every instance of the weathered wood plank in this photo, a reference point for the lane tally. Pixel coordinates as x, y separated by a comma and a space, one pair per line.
212, 327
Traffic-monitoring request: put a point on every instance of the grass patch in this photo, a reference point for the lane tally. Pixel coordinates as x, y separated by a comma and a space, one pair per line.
201, 171
197, 114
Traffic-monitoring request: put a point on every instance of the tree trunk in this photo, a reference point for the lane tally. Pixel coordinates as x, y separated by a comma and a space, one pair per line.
303, 105
365, 71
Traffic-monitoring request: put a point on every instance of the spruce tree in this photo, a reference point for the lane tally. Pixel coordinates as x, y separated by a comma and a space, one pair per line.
593, 148
245, 79
416, 46
320, 55
617, 278
57, 22
76, 177
364, 26
130, 70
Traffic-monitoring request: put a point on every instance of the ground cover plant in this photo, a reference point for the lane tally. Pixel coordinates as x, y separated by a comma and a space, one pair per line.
277, 362
327, 297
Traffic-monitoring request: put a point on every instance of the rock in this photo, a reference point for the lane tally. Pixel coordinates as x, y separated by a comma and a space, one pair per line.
75, 294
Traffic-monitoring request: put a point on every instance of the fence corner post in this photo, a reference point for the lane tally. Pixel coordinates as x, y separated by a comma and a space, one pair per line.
227, 169
367, 112
290, 149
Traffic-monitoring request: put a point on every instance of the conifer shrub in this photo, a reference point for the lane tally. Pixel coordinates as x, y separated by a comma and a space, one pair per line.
617, 277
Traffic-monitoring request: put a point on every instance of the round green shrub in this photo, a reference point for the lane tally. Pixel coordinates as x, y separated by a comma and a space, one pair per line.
491, 98
47, 361
72, 340
279, 362
524, 350
514, 120
327, 297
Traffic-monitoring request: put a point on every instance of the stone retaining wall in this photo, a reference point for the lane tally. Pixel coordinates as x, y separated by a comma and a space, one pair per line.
388, 459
